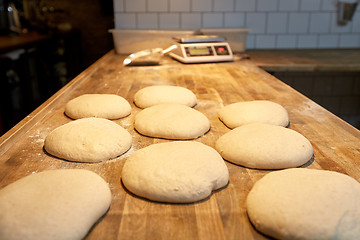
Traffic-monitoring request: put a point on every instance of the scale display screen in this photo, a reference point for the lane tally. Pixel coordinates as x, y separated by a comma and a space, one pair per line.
199, 51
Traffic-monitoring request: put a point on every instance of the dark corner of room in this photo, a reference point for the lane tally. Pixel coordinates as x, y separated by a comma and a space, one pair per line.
43, 45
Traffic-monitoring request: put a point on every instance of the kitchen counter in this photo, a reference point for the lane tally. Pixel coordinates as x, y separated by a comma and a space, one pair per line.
306, 60
25, 40
221, 216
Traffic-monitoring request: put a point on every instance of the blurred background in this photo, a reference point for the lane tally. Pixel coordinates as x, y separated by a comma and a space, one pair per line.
43, 45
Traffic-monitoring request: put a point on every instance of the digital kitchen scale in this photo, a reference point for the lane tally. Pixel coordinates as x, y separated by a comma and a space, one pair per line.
201, 49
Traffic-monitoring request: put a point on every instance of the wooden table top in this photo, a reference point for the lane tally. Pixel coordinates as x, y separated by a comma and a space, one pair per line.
307, 60
221, 216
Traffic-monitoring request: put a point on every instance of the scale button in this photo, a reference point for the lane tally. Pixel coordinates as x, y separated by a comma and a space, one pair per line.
221, 50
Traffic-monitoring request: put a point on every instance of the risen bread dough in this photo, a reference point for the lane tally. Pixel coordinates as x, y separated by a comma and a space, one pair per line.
54, 204
264, 146
108, 106
306, 204
153, 95
171, 121
177, 172
240, 113
88, 140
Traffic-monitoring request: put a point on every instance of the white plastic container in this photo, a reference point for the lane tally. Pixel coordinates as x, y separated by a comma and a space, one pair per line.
236, 37
128, 41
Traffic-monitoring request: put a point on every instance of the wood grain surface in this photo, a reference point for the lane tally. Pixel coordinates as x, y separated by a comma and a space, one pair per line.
221, 216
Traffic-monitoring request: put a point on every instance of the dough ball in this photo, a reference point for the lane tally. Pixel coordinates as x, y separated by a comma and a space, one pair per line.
88, 140
153, 95
171, 121
306, 204
264, 146
108, 106
263, 111
54, 204
177, 172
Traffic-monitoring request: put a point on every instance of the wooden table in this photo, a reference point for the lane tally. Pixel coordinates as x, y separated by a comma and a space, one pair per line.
223, 215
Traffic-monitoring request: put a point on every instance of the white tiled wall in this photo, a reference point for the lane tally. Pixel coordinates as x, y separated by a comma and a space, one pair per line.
278, 24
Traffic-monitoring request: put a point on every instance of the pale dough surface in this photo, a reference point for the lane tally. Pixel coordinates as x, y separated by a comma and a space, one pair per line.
88, 140
263, 111
177, 172
264, 146
306, 204
108, 106
153, 95
54, 204
171, 121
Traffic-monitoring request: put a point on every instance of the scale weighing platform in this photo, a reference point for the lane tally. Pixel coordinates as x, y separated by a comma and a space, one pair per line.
201, 49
